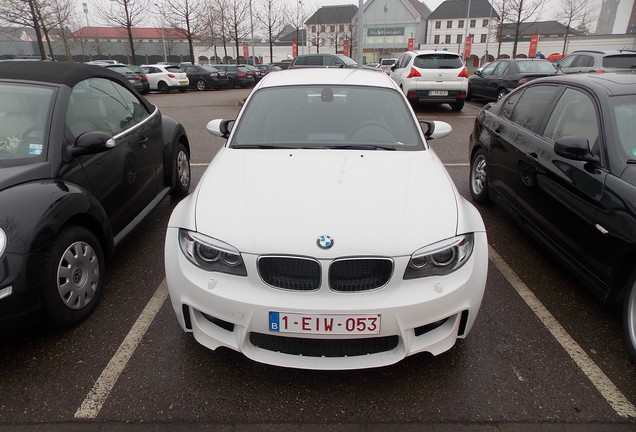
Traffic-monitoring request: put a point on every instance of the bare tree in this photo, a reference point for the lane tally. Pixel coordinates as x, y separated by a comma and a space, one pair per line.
271, 16
186, 19
574, 11
127, 14
24, 13
503, 10
522, 11
297, 17
62, 13
237, 20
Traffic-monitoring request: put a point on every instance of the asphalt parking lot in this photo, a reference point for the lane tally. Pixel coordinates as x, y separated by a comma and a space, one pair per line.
544, 355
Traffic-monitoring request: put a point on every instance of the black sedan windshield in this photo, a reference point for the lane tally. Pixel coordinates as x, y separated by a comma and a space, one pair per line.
23, 116
327, 117
625, 114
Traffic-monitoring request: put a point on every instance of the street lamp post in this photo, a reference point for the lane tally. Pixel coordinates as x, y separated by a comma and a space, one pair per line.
163, 36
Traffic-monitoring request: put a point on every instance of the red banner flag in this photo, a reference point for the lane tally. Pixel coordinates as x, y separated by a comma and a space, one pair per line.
534, 43
294, 49
246, 51
469, 42
345, 47
411, 44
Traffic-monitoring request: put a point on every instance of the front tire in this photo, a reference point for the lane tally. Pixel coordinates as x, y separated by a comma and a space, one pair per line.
180, 172
479, 177
201, 85
73, 276
501, 94
629, 317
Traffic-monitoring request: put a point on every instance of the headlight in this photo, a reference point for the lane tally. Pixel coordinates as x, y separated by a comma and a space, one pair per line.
211, 254
440, 258
3, 241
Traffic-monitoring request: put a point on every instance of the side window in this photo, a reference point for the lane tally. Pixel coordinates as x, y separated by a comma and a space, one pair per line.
584, 61
509, 104
501, 69
330, 61
488, 70
574, 115
532, 105
98, 104
567, 62
314, 60
403, 61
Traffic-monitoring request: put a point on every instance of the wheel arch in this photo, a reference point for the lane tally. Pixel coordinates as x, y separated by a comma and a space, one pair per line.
173, 133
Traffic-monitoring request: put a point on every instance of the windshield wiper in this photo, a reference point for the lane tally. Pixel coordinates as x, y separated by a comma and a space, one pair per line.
266, 147
631, 161
361, 147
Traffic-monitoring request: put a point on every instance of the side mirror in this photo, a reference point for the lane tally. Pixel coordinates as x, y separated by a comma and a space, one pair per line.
436, 129
477, 72
220, 127
574, 148
92, 142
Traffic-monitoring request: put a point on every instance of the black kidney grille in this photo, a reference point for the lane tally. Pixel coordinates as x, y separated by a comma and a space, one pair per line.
352, 275
290, 273
324, 347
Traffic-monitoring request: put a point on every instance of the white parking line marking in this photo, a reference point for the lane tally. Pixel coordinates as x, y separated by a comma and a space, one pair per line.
608, 390
101, 389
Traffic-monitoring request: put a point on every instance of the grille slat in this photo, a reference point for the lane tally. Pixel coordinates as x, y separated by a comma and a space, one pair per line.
351, 275
324, 347
299, 274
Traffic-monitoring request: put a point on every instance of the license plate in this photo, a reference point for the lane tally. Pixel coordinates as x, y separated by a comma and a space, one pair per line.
183, 82
282, 322
131, 81
438, 92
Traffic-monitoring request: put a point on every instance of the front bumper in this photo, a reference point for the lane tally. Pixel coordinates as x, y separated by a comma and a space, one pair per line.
418, 315
19, 297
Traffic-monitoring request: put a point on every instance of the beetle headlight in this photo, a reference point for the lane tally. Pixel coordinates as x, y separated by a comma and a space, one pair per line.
440, 258
211, 254
3, 241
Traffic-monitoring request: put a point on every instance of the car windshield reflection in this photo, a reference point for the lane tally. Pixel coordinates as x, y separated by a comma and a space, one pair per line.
334, 117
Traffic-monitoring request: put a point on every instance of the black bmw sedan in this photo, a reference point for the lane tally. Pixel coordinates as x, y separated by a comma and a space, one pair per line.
559, 154
83, 158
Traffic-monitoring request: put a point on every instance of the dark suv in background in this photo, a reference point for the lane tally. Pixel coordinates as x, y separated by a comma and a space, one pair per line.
597, 61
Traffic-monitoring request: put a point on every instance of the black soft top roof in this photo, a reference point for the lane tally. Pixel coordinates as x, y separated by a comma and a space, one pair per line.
61, 73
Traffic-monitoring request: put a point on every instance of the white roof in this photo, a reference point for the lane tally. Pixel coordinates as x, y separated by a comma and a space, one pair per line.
328, 76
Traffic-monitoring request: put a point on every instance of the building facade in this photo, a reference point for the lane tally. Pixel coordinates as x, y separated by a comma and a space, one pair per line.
330, 26
389, 25
451, 23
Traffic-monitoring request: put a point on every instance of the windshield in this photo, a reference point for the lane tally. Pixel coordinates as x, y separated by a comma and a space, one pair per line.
625, 115
24, 110
327, 117
541, 66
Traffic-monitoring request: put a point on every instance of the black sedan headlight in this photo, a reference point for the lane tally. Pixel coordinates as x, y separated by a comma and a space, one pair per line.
211, 254
440, 258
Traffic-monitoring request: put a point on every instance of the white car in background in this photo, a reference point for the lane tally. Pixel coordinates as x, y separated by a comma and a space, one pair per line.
432, 77
342, 242
386, 64
165, 78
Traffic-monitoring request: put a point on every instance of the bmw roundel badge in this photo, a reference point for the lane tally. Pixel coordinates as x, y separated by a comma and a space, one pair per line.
325, 242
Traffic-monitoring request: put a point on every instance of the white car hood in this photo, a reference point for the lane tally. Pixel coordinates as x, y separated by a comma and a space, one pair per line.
370, 202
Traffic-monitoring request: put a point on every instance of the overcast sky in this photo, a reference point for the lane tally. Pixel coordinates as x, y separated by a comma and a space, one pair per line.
550, 9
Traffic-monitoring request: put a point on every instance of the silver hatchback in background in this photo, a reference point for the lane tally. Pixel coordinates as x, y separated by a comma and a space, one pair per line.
432, 77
